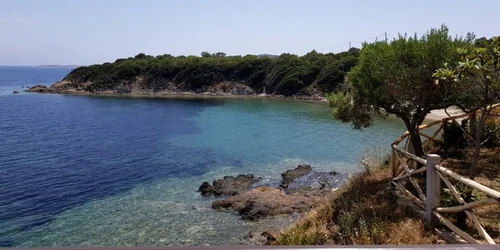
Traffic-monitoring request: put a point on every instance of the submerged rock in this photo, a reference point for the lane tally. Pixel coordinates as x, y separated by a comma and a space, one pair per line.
262, 202
293, 174
229, 185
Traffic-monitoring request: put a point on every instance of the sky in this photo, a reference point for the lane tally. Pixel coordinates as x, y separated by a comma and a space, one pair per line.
35, 32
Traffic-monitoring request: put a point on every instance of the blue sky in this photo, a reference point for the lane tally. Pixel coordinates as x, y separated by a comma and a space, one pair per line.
34, 32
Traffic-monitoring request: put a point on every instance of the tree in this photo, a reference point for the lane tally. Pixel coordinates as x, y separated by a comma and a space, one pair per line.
205, 54
396, 78
474, 85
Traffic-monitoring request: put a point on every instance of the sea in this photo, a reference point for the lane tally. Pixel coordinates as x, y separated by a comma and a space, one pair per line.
106, 171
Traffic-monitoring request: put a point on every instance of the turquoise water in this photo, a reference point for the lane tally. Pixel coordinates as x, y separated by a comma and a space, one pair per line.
83, 171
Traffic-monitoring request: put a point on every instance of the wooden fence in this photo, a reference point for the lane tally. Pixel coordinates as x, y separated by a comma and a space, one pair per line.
426, 190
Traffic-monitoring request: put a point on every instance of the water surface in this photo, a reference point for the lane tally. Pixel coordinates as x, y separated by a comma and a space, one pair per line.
86, 171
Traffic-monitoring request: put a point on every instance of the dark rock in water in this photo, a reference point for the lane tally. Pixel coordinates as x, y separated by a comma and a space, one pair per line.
262, 202
206, 189
293, 174
15, 92
38, 88
316, 181
229, 185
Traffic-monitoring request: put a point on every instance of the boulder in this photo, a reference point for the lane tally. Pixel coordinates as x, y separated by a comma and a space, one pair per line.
242, 90
293, 174
38, 88
229, 185
15, 92
262, 202
206, 189
316, 181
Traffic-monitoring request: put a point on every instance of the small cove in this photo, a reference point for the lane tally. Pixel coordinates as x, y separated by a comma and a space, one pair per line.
83, 171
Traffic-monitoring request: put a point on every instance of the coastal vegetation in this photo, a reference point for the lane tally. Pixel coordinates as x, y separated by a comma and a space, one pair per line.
396, 78
409, 77
286, 74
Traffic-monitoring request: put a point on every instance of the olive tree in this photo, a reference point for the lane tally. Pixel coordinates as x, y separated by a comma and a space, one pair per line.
396, 78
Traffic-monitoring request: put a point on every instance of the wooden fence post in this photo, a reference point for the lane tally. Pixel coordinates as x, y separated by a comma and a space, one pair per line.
432, 188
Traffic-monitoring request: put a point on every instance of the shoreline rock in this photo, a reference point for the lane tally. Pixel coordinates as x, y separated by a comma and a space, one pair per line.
221, 90
291, 175
39, 88
263, 202
228, 185
301, 189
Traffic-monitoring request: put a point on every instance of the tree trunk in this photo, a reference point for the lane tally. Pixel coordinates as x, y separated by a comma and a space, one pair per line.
477, 148
416, 142
415, 139
473, 124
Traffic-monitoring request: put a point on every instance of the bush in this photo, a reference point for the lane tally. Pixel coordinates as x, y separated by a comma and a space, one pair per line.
491, 132
453, 137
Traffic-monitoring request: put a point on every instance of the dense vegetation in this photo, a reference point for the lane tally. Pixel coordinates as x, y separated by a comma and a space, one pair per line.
286, 74
396, 78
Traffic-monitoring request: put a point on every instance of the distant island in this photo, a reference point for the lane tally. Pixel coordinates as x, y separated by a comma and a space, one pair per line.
59, 66
214, 74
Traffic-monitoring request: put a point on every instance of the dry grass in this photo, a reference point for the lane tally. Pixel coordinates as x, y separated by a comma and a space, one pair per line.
361, 213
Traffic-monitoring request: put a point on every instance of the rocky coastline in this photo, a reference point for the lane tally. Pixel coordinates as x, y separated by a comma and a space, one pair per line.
300, 190
221, 90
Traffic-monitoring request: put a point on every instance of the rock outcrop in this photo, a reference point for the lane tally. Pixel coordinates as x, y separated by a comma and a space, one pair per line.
316, 181
300, 190
228, 185
293, 174
38, 88
262, 202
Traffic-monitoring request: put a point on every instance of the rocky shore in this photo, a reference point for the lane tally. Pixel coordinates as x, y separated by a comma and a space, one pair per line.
221, 90
300, 190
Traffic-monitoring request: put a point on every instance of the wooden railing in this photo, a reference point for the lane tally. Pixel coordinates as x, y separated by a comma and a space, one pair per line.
425, 191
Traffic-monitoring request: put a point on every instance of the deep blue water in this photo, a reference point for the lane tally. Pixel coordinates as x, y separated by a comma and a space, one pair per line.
86, 171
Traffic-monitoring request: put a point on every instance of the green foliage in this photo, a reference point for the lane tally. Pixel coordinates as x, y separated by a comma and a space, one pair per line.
453, 137
475, 81
491, 134
284, 75
345, 111
395, 78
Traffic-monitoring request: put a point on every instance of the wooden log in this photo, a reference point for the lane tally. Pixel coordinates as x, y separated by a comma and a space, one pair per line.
467, 206
455, 229
480, 228
490, 192
414, 183
413, 172
452, 189
411, 156
426, 136
433, 136
393, 164
409, 195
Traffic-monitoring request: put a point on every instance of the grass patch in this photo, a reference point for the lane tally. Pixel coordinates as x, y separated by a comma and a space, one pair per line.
364, 212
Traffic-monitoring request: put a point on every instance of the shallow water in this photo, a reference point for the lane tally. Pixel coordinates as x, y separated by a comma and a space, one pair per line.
86, 171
